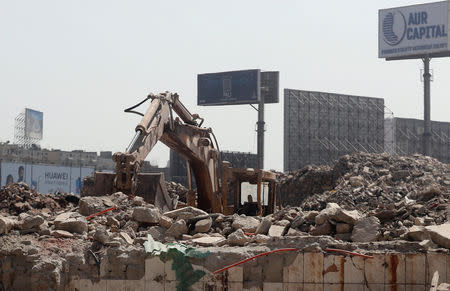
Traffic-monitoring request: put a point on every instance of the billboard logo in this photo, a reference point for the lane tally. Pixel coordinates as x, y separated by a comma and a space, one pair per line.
394, 28
226, 87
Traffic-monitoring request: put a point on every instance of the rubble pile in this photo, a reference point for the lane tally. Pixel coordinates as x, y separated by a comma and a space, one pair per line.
361, 198
397, 192
16, 198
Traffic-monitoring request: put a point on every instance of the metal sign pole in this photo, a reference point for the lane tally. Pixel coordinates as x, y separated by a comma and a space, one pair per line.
426, 107
260, 149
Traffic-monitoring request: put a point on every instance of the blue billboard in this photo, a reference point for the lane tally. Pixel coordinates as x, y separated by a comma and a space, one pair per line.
229, 88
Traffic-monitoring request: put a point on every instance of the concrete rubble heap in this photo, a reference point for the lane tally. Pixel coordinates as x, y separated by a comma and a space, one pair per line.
364, 198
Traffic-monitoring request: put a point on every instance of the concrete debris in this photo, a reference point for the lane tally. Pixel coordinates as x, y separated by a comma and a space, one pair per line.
62, 233
440, 234
366, 201
366, 229
165, 221
203, 225
276, 230
210, 241
264, 225
146, 214
177, 229
246, 223
400, 191
90, 205
71, 222
418, 233
237, 238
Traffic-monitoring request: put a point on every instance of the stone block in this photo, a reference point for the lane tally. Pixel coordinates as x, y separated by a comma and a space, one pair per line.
168, 272
314, 267
87, 284
395, 287
115, 285
294, 272
395, 269
154, 285
415, 269
354, 287
375, 268
252, 286
235, 286
170, 286
333, 287
313, 287
235, 274
374, 287
134, 285
413, 287
273, 286
292, 286
354, 270
436, 262
333, 269
154, 270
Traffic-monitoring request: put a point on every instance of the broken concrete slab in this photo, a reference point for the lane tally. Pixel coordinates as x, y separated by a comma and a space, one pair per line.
203, 225
31, 221
72, 222
330, 211
246, 223
91, 204
440, 234
276, 231
146, 214
366, 229
177, 229
210, 241
182, 211
7, 223
264, 225
165, 221
237, 238
62, 233
418, 233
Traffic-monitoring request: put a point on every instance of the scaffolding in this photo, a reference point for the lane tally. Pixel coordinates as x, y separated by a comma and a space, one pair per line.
406, 135
320, 127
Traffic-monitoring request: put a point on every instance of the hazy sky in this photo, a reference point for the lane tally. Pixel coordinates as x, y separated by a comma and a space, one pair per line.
83, 62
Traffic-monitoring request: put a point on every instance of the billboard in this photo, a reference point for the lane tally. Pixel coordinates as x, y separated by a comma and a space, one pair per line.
414, 30
228, 88
33, 123
45, 178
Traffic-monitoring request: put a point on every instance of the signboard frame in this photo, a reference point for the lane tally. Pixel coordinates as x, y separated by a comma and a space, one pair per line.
34, 121
230, 88
414, 31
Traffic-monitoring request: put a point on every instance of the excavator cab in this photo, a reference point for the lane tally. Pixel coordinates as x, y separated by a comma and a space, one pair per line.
248, 191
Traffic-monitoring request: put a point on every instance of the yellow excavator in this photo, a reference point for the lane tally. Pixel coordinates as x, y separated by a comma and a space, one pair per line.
220, 187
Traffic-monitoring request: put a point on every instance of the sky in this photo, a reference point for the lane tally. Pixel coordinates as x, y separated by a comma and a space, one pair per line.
83, 62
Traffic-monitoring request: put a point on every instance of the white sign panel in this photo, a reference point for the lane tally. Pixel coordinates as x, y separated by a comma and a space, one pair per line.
413, 30
12, 173
33, 123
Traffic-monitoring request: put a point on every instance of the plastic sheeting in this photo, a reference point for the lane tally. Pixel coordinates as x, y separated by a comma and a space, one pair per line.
179, 254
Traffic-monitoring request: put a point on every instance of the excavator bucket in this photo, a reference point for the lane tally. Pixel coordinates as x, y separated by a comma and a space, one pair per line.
151, 187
